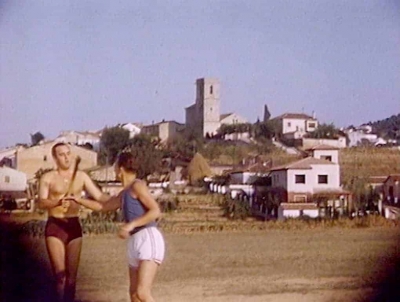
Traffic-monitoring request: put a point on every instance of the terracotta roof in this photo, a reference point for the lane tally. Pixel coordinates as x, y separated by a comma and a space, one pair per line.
377, 179
322, 147
224, 116
298, 206
394, 177
163, 122
298, 116
305, 163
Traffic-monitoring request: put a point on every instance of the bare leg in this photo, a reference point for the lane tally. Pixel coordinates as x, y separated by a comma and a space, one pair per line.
73, 257
133, 276
146, 273
56, 251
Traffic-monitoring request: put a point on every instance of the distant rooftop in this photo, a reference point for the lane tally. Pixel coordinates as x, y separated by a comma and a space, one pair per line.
299, 116
304, 163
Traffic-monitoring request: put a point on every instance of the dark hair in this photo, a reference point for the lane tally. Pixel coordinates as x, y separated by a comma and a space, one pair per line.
127, 161
53, 149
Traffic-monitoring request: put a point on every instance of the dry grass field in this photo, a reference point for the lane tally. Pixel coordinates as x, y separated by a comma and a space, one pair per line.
368, 161
272, 265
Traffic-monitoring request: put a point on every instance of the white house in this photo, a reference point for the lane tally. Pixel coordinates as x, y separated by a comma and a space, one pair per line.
12, 180
327, 152
163, 130
305, 181
9, 154
305, 177
133, 128
80, 138
296, 124
363, 134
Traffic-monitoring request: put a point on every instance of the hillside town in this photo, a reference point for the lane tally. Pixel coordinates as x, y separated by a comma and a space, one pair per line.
309, 185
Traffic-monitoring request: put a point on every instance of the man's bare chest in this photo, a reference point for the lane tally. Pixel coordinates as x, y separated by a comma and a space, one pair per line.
61, 186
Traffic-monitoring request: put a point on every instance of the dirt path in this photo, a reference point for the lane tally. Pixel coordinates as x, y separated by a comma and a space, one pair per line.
285, 290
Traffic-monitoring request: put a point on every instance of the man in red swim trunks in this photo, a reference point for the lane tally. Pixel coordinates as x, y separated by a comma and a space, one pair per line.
63, 231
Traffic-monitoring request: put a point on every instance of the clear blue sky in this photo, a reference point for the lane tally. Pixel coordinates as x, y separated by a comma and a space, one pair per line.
82, 65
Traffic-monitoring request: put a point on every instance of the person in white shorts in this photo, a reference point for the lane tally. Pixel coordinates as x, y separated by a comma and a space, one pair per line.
146, 245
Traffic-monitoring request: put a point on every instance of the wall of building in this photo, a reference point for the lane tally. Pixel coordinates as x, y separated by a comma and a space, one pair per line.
356, 137
133, 129
152, 130
395, 184
311, 182
77, 138
308, 143
311, 125
292, 125
32, 159
321, 154
279, 179
12, 180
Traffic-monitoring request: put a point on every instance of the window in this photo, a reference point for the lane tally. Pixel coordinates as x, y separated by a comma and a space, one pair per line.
322, 179
311, 125
211, 89
327, 157
45, 158
300, 179
289, 124
7, 179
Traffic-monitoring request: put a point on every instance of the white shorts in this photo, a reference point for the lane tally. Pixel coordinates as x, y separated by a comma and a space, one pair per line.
147, 244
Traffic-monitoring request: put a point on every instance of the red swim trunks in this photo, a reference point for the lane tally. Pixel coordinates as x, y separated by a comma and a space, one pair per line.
65, 229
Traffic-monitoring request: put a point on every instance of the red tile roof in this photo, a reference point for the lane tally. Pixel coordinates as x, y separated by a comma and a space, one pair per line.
377, 179
298, 116
224, 116
394, 177
305, 163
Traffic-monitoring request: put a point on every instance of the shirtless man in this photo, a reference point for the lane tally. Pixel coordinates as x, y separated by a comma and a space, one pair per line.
63, 231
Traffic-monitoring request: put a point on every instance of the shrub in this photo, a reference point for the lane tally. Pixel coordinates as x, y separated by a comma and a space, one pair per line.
236, 209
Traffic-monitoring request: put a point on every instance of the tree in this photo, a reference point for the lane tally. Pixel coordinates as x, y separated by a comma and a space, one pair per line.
147, 156
36, 138
358, 186
388, 128
325, 131
181, 145
265, 130
112, 141
234, 128
267, 114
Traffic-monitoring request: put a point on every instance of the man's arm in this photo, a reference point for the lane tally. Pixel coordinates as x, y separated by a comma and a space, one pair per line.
44, 188
142, 192
112, 204
93, 190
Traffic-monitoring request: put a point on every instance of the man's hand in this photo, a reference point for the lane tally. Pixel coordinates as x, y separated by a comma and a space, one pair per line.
66, 201
124, 231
